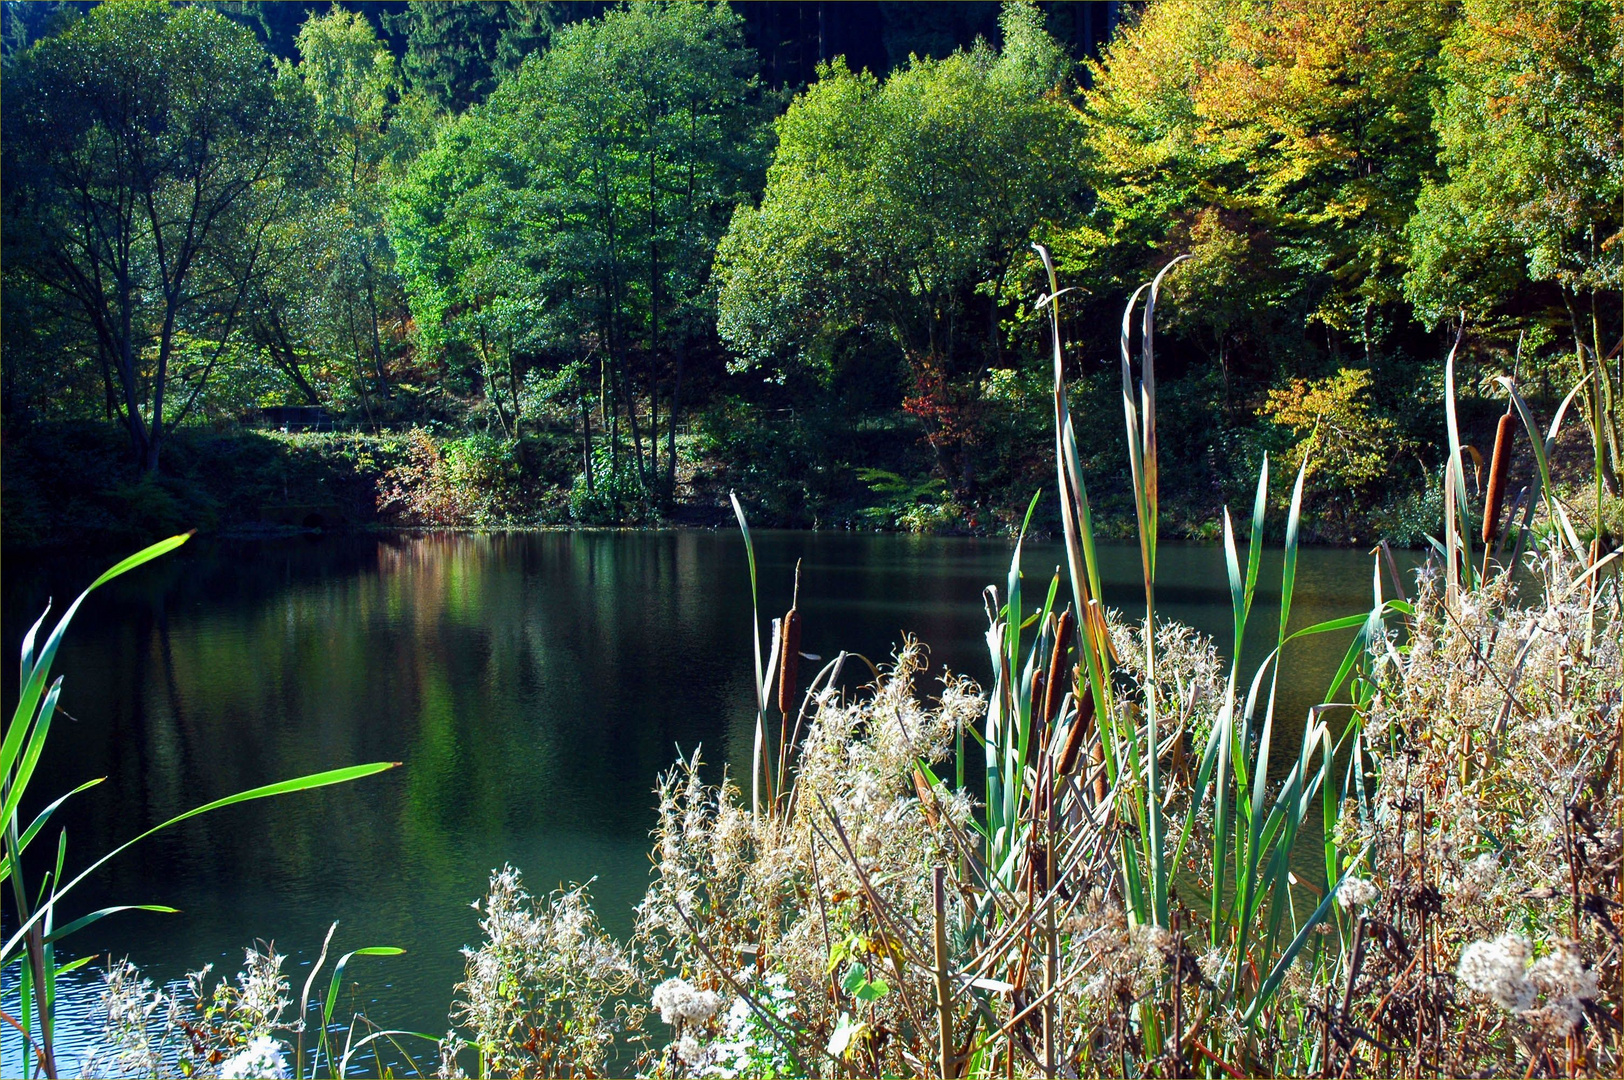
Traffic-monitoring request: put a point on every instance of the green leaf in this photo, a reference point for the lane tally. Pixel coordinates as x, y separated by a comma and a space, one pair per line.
284, 787
872, 990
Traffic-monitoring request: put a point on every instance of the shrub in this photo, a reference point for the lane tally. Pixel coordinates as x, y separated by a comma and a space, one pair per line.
544, 991
458, 482
615, 496
1348, 445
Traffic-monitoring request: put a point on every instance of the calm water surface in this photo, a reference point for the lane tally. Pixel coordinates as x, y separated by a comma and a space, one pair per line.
531, 684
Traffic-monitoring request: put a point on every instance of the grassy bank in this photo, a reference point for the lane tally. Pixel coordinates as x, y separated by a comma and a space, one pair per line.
72, 484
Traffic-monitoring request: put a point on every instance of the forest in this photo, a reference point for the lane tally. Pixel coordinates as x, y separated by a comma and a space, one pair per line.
492, 264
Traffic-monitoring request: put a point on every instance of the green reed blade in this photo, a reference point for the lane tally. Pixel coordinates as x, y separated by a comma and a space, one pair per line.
284, 787
1543, 447
95, 916
1459, 523
45, 815
31, 688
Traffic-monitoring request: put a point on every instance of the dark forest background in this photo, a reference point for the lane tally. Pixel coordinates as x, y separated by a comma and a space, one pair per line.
489, 263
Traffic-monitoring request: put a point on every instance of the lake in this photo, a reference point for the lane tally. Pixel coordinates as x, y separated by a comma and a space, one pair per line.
533, 684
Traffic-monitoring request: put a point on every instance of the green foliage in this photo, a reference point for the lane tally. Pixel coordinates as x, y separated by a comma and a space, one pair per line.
613, 495
1339, 436
901, 210
572, 217
457, 52
458, 482
900, 203
1531, 133
912, 505
1530, 127
565, 231
1285, 143
68, 485
145, 163
328, 317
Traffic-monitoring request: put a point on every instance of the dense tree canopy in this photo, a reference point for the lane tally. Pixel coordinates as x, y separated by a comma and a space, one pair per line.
1524, 228
1282, 145
1350, 175
575, 234
573, 216
907, 205
145, 166
322, 314
457, 52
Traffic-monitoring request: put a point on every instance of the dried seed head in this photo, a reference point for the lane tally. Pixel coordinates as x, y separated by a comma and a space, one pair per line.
1055, 683
1498, 469
789, 661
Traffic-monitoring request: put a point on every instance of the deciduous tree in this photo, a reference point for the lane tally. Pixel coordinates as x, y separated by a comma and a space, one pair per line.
1525, 227
142, 173
906, 205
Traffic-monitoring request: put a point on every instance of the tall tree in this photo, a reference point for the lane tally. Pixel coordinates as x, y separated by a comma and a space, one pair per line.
143, 156
1527, 227
22, 24
907, 204
323, 313
457, 51
1284, 144
577, 211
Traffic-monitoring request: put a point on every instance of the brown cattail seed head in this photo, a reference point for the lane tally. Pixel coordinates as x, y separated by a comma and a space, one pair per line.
1498, 469
1075, 734
789, 661
1055, 683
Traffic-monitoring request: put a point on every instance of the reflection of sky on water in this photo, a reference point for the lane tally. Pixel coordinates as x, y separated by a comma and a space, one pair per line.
533, 685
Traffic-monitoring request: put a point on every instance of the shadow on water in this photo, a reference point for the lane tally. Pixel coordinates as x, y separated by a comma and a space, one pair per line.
532, 683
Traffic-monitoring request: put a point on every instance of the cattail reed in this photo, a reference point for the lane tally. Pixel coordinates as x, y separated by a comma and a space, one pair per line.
1075, 734
1496, 494
1055, 682
789, 661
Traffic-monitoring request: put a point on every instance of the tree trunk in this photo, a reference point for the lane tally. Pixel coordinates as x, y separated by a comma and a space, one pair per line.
631, 420
513, 393
492, 394
586, 436
140, 441
679, 348
377, 339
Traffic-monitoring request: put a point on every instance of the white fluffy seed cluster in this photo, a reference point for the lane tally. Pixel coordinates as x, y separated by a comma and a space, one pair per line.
1499, 970
1478, 879
678, 1000
1355, 893
261, 1059
1566, 985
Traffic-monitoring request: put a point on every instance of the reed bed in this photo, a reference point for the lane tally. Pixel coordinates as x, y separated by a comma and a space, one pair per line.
1097, 865
1111, 881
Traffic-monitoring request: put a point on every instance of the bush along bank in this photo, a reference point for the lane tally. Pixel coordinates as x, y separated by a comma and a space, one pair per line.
71, 485
1118, 860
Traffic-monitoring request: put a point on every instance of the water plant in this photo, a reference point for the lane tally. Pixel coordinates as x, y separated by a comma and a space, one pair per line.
1149, 878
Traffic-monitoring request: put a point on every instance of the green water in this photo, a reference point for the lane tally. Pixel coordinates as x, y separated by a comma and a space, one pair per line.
531, 684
